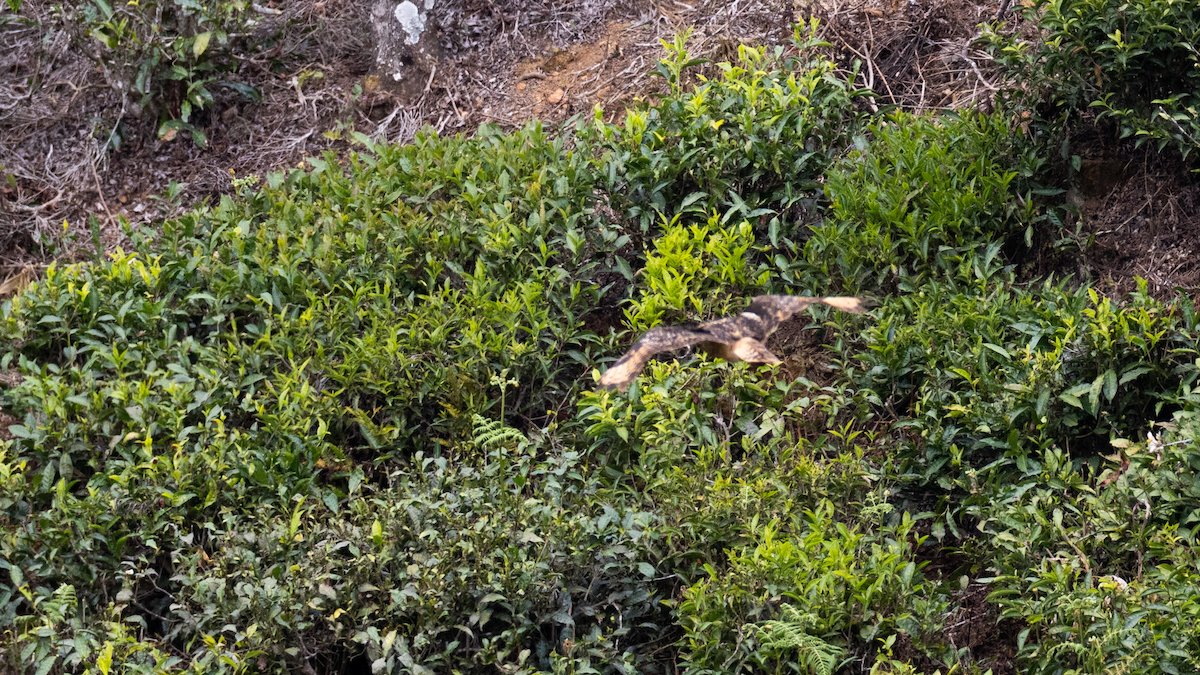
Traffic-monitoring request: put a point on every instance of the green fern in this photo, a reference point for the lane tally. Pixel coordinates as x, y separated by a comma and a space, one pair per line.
52, 611
494, 433
788, 634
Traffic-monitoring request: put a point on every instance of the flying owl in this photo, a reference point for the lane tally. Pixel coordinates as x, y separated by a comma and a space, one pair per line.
733, 338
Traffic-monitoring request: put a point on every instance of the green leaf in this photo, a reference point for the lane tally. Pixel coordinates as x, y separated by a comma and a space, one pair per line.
201, 43
1071, 399
622, 266
1110, 384
1094, 393
104, 659
692, 199
364, 140
297, 514
46, 664
998, 349
1134, 373
647, 569
1043, 401
104, 8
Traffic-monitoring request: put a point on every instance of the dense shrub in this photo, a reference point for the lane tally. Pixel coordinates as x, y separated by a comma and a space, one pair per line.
1100, 561
321, 358
344, 420
750, 144
825, 588
164, 56
1136, 62
1013, 371
928, 198
273, 348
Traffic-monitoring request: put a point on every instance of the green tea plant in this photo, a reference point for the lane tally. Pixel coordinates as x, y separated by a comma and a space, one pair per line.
750, 144
1013, 371
850, 588
1100, 562
1135, 62
346, 419
924, 200
692, 270
162, 56
288, 346
496, 562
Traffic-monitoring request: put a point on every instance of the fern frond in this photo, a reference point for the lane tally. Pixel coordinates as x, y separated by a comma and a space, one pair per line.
494, 433
789, 634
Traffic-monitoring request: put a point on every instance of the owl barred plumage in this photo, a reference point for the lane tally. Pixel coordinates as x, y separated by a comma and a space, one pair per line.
733, 338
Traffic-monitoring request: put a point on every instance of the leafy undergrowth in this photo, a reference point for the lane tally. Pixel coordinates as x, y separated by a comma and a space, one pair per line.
346, 422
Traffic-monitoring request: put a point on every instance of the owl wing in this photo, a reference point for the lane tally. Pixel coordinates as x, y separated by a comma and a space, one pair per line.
663, 339
775, 309
753, 351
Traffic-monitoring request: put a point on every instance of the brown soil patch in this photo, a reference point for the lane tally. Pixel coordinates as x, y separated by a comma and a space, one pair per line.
7, 421
918, 55
11, 378
801, 346
1143, 211
975, 624
567, 80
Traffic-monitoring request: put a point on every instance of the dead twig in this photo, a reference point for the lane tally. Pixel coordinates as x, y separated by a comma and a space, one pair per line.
100, 192
882, 77
983, 80
429, 83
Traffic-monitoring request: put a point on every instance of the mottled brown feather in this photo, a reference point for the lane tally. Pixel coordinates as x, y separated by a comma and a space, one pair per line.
734, 338
662, 339
753, 351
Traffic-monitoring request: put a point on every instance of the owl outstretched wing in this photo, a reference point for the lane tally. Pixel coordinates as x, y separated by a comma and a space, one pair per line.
753, 351
775, 309
662, 339
738, 337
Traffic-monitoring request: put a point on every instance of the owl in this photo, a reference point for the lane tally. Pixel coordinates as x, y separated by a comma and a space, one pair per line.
733, 338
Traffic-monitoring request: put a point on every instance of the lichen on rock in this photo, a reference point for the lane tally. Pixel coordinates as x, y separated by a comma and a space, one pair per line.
412, 20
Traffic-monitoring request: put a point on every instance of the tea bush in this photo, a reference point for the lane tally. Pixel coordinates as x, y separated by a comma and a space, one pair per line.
345, 357
751, 144
1013, 371
1100, 559
165, 57
925, 199
840, 587
274, 347
502, 560
344, 420
693, 270
1135, 62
